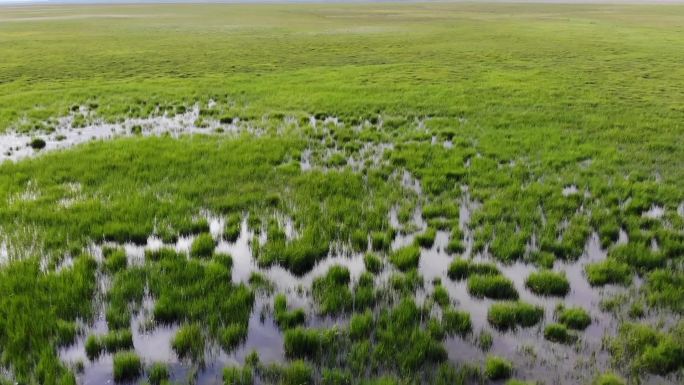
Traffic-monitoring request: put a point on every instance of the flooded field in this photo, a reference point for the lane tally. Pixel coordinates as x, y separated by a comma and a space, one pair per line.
341, 194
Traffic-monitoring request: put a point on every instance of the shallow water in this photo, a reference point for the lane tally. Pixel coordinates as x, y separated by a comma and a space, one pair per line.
532, 355
655, 212
16, 146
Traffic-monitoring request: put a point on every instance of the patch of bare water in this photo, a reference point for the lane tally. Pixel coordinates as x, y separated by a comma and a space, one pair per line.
655, 212
570, 190
15, 146
534, 358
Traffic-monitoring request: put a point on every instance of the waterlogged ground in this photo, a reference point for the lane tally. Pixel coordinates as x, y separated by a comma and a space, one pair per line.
376, 194
449, 218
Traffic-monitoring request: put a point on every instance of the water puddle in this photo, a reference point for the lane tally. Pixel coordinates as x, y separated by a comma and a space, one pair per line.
15, 146
533, 356
655, 212
570, 190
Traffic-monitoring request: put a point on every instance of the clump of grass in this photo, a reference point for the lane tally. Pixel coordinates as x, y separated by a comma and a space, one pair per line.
307, 343
441, 296
455, 244
406, 283
456, 322
111, 342
359, 240
224, 259
463, 268
361, 325
93, 347
364, 292
547, 282
373, 263
231, 230
188, 227
66, 332
400, 327
37, 144
189, 342
542, 259
298, 373
608, 272
202, 246
260, 282
406, 258
573, 317
508, 315
163, 253
637, 255
609, 379
114, 259
331, 291
158, 373
485, 340
664, 288
235, 375
380, 241
647, 349
117, 340
127, 366
232, 335
284, 318
557, 332
491, 286
497, 368
336, 377
427, 238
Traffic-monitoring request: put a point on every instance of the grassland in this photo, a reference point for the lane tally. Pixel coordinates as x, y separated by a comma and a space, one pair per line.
541, 137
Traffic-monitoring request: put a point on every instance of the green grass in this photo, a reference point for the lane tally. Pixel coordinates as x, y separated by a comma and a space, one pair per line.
234, 375
405, 258
202, 246
188, 343
114, 260
556, 332
427, 238
532, 97
373, 263
642, 348
509, 315
230, 336
573, 317
609, 379
308, 343
548, 283
127, 366
361, 325
287, 319
462, 268
497, 368
491, 286
158, 373
331, 291
608, 272
456, 322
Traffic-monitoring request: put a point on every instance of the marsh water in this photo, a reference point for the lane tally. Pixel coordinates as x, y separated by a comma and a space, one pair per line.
533, 356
